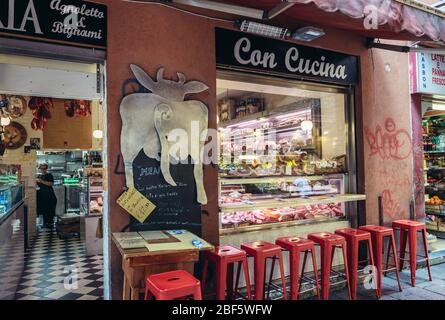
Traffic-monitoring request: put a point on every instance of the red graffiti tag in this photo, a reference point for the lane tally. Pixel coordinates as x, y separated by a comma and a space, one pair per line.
390, 207
389, 143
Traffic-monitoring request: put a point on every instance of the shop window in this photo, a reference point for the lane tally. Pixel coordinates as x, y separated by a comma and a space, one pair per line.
285, 152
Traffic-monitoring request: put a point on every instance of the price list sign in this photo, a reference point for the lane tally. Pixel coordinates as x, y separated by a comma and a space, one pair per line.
136, 204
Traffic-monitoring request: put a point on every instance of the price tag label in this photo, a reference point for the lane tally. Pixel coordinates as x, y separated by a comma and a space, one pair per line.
136, 204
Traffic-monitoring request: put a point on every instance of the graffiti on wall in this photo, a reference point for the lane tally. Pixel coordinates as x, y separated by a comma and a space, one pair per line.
391, 146
391, 208
389, 142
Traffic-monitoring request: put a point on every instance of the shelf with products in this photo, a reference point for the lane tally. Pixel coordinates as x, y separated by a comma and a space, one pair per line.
95, 191
241, 228
287, 164
290, 202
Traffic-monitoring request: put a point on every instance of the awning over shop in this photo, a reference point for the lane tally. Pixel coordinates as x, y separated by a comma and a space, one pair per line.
396, 19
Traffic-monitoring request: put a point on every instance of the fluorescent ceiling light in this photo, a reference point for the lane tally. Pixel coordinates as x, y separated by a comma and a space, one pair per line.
270, 89
263, 29
223, 7
308, 33
438, 107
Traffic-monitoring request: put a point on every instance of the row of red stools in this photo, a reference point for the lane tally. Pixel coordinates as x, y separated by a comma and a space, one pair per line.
179, 283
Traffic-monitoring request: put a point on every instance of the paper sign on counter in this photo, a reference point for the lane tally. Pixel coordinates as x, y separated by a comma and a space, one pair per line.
136, 204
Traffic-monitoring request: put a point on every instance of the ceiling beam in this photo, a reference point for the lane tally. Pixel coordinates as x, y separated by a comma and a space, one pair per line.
278, 9
223, 7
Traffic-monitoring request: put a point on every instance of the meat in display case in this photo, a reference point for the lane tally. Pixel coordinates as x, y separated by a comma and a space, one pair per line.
286, 158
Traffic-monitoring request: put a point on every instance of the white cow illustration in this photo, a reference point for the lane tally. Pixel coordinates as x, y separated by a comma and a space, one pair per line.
148, 118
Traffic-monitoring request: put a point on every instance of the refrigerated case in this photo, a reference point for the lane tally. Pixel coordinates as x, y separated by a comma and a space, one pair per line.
92, 209
10, 196
286, 157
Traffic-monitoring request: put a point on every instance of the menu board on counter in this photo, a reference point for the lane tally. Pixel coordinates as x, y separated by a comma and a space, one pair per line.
176, 206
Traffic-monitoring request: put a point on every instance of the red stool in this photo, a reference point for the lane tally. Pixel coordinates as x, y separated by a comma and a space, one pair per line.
408, 231
172, 285
353, 238
378, 234
296, 246
260, 251
328, 242
224, 258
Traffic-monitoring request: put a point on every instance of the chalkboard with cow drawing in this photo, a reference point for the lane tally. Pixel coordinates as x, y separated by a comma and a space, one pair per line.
170, 177
176, 207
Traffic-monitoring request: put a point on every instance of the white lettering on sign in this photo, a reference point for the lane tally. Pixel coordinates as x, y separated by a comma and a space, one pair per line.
29, 15
83, 11
430, 73
69, 31
256, 58
245, 55
72, 20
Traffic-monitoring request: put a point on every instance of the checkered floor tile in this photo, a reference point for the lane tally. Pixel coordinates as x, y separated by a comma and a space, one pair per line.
58, 269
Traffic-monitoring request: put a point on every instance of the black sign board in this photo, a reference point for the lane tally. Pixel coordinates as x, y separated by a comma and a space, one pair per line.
246, 51
176, 207
73, 22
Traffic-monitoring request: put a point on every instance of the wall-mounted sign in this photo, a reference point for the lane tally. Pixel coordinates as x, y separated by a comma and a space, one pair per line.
428, 73
70, 21
245, 51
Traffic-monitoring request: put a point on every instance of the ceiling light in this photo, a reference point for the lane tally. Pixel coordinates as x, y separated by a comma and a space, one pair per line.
308, 33
307, 125
438, 107
98, 134
263, 29
5, 121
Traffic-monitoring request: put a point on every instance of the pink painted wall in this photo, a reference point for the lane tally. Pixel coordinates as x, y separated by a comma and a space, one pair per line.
388, 142
153, 36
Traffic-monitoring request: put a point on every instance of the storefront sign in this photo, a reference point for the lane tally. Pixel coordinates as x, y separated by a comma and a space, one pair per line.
246, 51
70, 21
429, 73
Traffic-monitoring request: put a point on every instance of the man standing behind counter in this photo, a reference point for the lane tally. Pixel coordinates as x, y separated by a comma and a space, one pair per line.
46, 198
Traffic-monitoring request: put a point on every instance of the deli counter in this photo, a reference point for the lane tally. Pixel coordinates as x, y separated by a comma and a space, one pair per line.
13, 235
286, 160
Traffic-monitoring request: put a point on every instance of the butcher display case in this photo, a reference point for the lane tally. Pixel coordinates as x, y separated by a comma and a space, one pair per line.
10, 196
286, 154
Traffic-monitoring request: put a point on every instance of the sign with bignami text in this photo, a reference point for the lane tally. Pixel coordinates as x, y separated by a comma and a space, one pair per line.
73, 22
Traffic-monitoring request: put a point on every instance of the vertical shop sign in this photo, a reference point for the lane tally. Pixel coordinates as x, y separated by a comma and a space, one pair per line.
429, 73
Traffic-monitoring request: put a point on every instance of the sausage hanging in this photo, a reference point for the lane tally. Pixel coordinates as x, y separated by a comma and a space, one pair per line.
41, 111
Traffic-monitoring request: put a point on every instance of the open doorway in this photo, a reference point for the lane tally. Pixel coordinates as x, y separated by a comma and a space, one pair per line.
52, 151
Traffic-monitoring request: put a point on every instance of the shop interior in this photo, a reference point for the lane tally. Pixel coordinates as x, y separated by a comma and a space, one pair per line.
52, 114
285, 156
433, 131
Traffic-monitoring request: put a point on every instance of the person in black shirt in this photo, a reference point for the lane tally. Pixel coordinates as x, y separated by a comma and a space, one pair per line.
46, 198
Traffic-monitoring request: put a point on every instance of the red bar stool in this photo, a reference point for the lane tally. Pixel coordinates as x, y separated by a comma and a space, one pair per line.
408, 231
224, 258
328, 242
172, 285
296, 246
353, 238
378, 235
260, 251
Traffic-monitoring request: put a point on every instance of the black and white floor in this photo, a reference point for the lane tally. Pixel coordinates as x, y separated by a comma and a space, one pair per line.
57, 269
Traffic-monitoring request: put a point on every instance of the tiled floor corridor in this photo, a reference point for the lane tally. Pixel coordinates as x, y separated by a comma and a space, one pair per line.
57, 269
